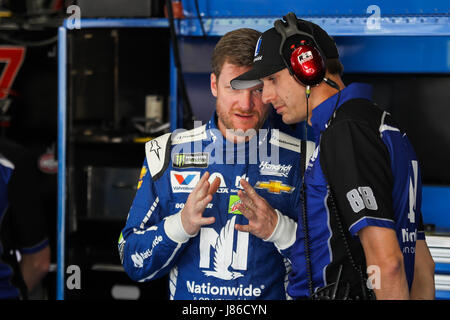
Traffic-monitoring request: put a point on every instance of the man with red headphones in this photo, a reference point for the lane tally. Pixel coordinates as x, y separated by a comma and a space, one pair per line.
360, 231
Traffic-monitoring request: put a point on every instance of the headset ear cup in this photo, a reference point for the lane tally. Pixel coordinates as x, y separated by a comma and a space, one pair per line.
307, 65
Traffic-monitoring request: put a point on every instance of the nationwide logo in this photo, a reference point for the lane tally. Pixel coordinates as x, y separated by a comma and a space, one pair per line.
232, 291
139, 257
233, 204
224, 257
184, 181
190, 160
279, 170
274, 187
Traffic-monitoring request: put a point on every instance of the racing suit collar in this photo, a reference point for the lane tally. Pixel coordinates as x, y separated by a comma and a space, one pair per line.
214, 134
324, 111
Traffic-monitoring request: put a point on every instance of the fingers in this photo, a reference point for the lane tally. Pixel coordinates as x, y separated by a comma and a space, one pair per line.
246, 211
246, 200
206, 221
202, 186
242, 227
249, 190
254, 200
214, 186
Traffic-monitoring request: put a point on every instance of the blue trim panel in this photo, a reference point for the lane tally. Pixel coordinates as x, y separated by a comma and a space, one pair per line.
442, 295
436, 205
238, 8
61, 220
175, 114
437, 25
395, 54
442, 268
122, 23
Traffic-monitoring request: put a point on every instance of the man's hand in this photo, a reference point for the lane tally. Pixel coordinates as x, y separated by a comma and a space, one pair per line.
262, 218
192, 213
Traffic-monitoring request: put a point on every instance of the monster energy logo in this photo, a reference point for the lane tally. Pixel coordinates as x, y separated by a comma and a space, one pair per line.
190, 160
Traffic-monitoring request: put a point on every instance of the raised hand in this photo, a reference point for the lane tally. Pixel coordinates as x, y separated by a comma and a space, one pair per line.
262, 218
192, 213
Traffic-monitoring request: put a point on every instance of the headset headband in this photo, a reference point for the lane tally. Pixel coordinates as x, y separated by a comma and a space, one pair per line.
290, 28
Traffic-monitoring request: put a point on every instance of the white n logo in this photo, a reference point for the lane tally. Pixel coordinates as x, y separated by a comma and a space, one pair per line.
224, 256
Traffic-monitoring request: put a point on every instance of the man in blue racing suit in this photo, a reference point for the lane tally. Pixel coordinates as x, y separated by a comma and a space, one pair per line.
185, 218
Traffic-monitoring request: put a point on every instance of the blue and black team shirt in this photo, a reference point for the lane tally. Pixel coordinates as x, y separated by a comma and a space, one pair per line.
22, 222
373, 174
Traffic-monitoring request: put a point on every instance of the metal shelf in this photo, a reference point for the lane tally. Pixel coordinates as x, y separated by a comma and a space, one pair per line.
62, 118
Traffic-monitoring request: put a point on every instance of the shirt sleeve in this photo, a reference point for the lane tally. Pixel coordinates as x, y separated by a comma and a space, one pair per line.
357, 166
152, 239
284, 234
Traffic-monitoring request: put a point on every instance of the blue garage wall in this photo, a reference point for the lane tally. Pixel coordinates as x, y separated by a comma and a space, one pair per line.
236, 8
436, 206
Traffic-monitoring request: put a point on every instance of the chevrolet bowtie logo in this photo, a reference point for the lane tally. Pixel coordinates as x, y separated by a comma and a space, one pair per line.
274, 186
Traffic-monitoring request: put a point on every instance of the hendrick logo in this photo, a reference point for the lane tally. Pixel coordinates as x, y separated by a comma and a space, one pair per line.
279, 170
190, 160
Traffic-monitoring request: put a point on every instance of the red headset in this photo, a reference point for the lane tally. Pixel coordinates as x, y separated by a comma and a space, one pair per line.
300, 51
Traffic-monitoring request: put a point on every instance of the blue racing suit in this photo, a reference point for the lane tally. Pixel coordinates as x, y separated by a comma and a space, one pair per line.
219, 262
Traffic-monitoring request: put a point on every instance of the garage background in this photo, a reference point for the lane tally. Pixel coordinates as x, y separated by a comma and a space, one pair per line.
90, 92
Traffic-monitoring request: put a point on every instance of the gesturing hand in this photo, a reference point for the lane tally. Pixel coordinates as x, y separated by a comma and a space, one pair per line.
262, 218
192, 213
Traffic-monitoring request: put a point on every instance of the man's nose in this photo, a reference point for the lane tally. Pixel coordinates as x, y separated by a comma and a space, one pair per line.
267, 94
245, 100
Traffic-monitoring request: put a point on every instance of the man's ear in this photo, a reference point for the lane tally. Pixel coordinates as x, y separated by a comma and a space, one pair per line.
214, 84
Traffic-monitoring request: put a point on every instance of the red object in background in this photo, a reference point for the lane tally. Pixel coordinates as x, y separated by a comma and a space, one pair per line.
57, 5
47, 163
308, 65
13, 57
177, 9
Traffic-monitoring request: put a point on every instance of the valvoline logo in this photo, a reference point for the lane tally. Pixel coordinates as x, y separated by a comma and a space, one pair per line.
184, 180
